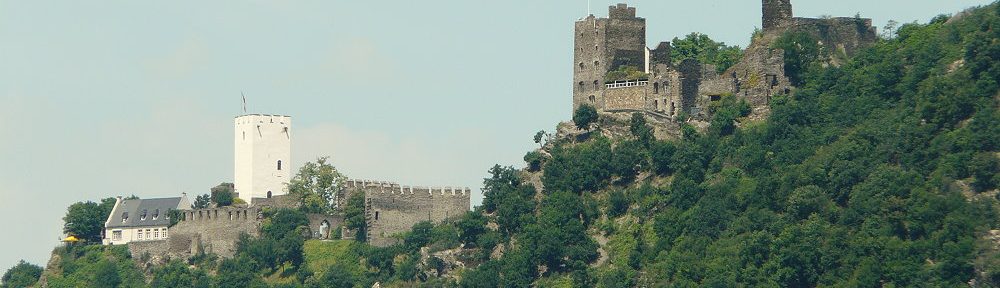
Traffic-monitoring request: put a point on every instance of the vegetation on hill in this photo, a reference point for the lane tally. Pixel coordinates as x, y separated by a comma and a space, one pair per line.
865, 176
23, 274
882, 171
702, 48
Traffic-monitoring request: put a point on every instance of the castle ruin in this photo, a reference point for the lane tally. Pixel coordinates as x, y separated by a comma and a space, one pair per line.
668, 88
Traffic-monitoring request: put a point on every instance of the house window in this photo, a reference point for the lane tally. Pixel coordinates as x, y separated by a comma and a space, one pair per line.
164, 233
116, 235
156, 233
140, 234
279, 165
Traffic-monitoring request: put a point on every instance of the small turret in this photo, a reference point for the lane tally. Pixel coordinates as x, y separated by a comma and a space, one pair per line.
776, 13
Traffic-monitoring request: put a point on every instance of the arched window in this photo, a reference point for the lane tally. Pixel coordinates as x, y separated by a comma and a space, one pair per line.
656, 105
582, 88
595, 84
324, 230
268, 194
592, 99
279, 165
597, 63
581, 65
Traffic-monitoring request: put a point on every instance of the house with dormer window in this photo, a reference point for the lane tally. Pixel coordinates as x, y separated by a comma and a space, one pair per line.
141, 219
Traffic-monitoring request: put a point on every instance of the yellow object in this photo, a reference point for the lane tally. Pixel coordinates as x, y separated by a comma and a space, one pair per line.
71, 239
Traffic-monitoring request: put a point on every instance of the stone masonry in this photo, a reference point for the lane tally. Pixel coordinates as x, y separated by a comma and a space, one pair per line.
391, 209
669, 88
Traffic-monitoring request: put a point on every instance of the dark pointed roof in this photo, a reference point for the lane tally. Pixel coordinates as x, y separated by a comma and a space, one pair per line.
129, 213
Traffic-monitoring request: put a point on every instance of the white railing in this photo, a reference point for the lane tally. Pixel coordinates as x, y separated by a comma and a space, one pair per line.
623, 84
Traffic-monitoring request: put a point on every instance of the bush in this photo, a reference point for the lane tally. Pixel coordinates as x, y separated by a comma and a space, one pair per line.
23, 274
534, 160
222, 194
584, 116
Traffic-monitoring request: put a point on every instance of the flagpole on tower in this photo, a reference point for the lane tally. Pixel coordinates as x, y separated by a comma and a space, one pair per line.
244, 102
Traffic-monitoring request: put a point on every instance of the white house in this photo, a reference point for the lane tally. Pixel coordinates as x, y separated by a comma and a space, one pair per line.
141, 219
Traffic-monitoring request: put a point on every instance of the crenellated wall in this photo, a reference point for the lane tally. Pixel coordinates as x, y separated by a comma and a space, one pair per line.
392, 209
212, 230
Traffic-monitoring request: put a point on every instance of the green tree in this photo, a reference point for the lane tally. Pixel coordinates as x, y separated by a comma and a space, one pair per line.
354, 216
177, 274
470, 226
202, 201
85, 220
419, 236
640, 129
222, 194
336, 277
702, 48
23, 274
318, 186
106, 275
540, 138
584, 116
238, 272
534, 160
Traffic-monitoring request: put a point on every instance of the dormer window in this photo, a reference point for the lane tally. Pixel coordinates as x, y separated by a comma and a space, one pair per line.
124, 217
156, 214
143, 216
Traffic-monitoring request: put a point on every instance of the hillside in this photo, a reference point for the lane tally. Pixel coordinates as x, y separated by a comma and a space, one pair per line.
881, 170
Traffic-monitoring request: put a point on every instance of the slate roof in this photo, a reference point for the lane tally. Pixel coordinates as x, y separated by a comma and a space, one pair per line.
155, 211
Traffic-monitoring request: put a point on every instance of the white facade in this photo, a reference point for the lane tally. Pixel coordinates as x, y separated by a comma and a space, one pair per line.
263, 154
119, 236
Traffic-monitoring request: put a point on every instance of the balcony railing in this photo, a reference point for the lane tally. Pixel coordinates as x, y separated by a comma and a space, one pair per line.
623, 84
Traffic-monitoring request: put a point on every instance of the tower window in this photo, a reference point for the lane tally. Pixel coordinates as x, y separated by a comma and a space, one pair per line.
595, 85
597, 63
581, 65
582, 87
656, 88
279, 165
592, 99
376, 215
268, 194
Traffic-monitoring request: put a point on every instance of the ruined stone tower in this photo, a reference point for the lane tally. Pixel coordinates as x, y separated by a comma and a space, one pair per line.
776, 13
603, 44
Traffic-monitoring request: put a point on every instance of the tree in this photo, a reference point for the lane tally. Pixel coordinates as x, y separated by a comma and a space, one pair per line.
534, 160
419, 236
336, 277
106, 274
318, 186
584, 116
23, 274
470, 226
502, 181
177, 274
202, 201
702, 48
354, 216
222, 194
640, 130
85, 220
540, 137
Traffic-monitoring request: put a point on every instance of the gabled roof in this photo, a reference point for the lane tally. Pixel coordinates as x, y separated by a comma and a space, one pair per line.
129, 213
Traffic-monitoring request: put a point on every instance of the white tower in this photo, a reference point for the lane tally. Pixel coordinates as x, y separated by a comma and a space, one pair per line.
262, 155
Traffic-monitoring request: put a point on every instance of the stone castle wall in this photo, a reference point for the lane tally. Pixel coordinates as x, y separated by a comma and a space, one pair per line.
212, 230
625, 99
392, 209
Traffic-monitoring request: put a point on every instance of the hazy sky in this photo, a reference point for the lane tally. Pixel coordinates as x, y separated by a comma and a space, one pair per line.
107, 98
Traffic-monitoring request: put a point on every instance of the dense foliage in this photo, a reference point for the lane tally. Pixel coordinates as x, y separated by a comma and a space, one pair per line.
317, 185
882, 171
702, 48
23, 274
85, 220
584, 116
222, 194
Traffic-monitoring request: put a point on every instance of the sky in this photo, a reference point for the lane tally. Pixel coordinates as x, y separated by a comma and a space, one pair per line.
106, 98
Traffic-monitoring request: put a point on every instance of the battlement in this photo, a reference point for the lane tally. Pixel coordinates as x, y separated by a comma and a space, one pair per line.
220, 214
263, 118
621, 11
386, 187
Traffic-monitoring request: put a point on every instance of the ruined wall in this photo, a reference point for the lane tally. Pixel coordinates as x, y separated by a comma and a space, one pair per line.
392, 209
625, 99
776, 13
321, 231
213, 230
844, 35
